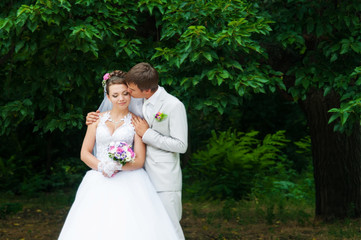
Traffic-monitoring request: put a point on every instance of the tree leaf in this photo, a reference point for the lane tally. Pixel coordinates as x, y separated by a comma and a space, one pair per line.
208, 56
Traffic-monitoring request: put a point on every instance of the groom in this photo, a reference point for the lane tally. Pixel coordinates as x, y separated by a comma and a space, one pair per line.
164, 130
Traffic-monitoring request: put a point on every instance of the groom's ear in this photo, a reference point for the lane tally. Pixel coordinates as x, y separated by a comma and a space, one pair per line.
147, 93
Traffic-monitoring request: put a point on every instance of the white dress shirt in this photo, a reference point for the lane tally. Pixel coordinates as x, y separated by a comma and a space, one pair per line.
148, 105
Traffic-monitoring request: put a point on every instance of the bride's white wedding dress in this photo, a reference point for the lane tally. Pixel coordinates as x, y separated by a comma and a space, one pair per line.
125, 206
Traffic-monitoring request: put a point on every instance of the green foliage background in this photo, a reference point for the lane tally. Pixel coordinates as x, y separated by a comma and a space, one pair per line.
232, 63
53, 54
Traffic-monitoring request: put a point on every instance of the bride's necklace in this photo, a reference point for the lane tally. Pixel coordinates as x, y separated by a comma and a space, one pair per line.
115, 122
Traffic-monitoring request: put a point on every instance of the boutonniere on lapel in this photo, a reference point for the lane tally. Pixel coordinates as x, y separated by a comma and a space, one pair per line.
160, 116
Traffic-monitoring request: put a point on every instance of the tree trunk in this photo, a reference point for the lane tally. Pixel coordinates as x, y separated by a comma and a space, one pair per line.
336, 160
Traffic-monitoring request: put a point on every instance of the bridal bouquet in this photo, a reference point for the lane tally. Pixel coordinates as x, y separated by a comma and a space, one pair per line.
121, 152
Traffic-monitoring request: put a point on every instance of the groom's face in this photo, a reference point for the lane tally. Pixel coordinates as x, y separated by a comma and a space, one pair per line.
135, 92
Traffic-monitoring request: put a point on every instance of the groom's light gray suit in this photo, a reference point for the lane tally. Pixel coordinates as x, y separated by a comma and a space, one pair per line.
165, 140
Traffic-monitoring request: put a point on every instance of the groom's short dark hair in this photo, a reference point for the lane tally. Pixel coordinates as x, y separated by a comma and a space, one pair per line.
144, 76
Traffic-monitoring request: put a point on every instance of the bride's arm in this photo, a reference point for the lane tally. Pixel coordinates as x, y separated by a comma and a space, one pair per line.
86, 154
139, 149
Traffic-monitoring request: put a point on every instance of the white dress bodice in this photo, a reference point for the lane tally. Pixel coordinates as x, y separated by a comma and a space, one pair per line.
124, 133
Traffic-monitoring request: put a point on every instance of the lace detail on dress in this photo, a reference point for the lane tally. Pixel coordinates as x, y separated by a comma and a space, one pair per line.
124, 133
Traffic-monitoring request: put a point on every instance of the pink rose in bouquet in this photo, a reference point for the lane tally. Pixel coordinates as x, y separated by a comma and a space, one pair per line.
121, 152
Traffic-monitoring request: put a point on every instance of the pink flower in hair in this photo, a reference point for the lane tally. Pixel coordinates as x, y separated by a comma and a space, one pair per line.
106, 76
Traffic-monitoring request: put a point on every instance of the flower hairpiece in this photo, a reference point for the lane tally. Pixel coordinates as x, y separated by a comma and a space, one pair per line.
160, 116
105, 78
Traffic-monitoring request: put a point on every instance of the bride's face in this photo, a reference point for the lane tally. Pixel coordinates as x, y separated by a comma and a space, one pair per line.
119, 95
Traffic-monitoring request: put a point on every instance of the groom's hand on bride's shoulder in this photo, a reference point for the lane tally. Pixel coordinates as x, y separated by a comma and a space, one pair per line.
92, 117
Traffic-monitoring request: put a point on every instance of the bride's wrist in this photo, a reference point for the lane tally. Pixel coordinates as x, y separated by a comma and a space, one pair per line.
100, 166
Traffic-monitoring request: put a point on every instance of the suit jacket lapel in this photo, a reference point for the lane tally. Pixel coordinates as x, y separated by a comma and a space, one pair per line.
158, 105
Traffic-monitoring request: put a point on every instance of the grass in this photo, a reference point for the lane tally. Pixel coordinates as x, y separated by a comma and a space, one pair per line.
42, 217
256, 220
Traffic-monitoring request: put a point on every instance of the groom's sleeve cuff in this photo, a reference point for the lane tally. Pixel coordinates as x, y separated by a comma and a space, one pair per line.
147, 135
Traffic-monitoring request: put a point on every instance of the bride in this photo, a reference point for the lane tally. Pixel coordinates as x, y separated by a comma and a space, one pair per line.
115, 201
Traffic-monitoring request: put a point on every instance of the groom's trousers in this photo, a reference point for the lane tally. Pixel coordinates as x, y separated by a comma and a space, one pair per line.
172, 202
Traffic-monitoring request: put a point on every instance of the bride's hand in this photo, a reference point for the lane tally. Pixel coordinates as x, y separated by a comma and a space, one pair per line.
92, 117
109, 168
106, 175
